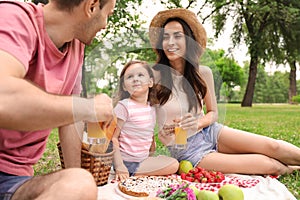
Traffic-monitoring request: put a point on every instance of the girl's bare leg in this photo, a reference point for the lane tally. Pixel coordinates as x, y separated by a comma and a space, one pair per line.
159, 166
240, 142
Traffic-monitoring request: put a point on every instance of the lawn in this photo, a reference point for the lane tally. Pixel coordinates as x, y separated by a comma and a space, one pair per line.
277, 121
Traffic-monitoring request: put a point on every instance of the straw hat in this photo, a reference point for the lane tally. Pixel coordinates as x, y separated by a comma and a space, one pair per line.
188, 16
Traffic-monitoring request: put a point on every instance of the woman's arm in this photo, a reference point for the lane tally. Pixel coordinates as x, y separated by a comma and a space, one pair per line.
209, 100
197, 122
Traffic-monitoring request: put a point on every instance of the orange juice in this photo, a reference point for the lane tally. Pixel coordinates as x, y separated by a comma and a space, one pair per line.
97, 138
109, 131
94, 130
180, 138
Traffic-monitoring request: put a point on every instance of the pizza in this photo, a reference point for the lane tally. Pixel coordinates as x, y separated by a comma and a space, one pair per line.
143, 186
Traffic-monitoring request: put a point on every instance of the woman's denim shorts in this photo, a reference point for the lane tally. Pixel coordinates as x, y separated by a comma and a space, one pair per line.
199, 145
9, 184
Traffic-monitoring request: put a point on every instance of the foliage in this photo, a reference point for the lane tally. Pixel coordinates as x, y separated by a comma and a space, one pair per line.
296, 99
266, 27
289, 26
123, 39
227, 73
40, 1
271, 88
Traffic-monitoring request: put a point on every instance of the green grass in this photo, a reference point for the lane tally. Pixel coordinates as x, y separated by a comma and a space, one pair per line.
50, 160
277, 121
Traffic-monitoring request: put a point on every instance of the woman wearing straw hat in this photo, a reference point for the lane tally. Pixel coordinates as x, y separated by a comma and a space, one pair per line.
179, 40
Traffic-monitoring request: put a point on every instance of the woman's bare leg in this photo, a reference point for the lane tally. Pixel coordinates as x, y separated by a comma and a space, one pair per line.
235, 141
244, 164
160, 165
73, 184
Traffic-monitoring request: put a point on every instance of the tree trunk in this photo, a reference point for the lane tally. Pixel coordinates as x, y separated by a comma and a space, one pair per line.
249, 93
293, 83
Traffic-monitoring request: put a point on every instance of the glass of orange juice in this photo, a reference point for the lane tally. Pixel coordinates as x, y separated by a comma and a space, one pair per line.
180, 138
95, 132
99, 135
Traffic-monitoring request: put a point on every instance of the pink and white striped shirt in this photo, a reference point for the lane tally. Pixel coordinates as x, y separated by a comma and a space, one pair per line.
136, 134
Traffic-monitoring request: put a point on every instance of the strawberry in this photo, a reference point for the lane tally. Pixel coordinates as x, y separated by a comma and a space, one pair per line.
198, 176
183, 175
194, 170
204, 180
189, 174
191, 179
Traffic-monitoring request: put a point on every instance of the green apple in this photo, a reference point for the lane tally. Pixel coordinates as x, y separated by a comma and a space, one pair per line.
207, 195
231, 192
196, 190
185, 166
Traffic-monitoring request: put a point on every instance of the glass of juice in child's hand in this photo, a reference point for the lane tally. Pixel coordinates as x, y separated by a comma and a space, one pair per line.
180, 137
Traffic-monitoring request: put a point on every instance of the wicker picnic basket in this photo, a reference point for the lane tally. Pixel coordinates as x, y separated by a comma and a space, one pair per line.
98, 164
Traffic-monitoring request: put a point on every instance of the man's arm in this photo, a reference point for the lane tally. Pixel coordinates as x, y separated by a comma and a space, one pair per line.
25, 107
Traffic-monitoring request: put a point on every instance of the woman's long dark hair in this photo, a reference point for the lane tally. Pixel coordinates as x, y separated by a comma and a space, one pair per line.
122, 94
191, 70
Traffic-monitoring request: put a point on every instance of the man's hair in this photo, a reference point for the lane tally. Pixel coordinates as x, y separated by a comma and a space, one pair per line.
70, 4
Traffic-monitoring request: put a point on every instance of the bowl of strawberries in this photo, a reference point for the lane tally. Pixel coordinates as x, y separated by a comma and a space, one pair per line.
201, 175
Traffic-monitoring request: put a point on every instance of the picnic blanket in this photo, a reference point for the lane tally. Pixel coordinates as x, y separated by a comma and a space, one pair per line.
254, 188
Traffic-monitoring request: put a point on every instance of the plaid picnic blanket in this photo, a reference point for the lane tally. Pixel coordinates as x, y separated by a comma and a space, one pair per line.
254, 188
229, 179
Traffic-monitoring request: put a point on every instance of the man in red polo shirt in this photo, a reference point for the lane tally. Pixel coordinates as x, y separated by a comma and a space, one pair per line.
41, 55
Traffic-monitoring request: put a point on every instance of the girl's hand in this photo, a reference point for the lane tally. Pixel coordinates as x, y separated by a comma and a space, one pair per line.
122, 173
188, 122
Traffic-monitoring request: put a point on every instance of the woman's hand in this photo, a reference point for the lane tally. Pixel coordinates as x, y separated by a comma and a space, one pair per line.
188, 122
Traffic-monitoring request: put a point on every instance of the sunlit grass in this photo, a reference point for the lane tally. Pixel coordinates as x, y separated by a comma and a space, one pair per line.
276, 121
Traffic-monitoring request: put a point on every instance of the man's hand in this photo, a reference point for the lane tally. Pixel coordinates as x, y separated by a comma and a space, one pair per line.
103, 108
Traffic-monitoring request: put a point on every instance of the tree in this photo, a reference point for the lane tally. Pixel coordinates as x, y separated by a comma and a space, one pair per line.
226, 71
288, 27
40, 1
291, 40
120, 41
252, 22
271, 88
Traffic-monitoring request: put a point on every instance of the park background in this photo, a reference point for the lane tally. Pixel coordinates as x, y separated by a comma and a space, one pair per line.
253, 50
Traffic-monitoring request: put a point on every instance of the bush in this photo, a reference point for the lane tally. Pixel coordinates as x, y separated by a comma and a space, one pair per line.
296, 99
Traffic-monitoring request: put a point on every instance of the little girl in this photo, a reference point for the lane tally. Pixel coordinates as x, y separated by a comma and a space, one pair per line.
133, 138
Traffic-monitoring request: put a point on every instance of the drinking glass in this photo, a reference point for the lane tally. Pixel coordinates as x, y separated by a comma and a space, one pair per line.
180, 138
99, 136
